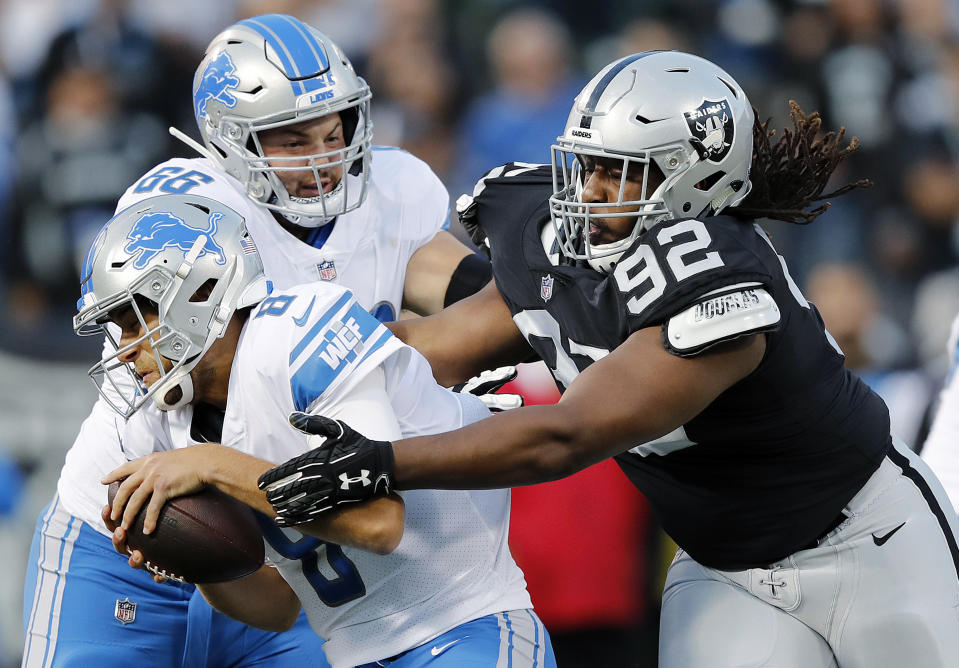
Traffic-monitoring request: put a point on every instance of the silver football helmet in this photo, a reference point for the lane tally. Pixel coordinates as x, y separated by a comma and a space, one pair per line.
192, 261
674, 111
271, 71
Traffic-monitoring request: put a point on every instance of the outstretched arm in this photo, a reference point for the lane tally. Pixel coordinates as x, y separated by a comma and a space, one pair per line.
466, 338
635, 394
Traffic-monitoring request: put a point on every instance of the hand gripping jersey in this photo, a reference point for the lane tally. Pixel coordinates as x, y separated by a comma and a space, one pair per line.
766, 467
367, 251
307, 349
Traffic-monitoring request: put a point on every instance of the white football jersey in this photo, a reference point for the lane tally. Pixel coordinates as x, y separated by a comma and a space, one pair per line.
941, 449
367, 252
314, 348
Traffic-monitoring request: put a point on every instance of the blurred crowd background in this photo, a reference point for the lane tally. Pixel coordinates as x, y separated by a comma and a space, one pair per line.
89, 87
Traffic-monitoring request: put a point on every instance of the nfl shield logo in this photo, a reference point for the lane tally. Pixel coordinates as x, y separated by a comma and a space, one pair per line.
126, 611
546, 287
327, 270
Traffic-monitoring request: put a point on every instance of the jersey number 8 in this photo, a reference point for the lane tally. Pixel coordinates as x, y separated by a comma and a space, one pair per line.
345, 587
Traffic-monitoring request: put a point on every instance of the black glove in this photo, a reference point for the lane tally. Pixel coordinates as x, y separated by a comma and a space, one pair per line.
466, 212
485, 385
347, 468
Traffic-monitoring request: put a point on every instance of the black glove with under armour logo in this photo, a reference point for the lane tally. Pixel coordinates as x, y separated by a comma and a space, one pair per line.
347, 468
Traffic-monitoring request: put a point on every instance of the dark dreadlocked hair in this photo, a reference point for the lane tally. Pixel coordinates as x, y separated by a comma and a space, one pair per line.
789, 177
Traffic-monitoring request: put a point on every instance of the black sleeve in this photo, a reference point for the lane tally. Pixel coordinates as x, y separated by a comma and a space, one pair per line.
470, 275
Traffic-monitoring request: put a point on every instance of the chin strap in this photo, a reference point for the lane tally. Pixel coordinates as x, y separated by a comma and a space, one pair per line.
185, 385
312, 222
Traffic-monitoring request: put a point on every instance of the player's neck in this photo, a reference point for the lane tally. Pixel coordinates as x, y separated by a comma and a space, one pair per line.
299, 232
211, 377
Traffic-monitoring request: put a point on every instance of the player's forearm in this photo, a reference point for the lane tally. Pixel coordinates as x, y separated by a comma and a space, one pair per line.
263, 600
236, 473
525, 446
637, 393
429, 272
374, 526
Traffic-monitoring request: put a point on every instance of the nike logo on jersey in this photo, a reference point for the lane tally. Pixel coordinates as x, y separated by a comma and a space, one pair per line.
306, 314
437, 650
881, 540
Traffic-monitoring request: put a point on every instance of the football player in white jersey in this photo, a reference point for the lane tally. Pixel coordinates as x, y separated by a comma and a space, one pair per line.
941, 448
269, 86
180, 278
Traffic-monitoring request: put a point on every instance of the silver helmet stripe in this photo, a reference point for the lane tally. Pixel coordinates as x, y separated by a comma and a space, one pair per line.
601, 85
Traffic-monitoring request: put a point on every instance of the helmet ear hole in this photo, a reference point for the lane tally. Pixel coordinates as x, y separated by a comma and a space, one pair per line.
686, 207
203, 293
707, 183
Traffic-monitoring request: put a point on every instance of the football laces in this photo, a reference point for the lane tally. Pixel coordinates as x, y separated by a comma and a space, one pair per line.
156, 570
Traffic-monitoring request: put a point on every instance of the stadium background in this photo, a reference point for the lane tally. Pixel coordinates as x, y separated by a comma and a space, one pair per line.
88, 88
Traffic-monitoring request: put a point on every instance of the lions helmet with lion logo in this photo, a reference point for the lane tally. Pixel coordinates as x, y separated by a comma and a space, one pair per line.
272, 71
664, 111
189, 260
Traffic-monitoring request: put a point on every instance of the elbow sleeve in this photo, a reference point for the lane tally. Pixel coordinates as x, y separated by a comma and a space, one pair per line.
470, 275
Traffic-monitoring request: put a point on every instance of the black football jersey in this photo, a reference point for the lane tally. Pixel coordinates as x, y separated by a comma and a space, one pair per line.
768, 466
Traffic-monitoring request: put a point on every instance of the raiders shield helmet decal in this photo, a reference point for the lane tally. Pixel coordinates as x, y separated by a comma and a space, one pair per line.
712, 124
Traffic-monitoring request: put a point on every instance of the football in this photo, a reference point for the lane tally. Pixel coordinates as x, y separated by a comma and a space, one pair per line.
200, 538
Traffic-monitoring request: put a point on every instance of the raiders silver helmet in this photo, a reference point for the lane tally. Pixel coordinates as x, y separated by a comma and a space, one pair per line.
661, 110
272, 71
191, 260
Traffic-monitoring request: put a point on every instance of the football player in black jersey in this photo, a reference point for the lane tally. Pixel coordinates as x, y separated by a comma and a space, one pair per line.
633, 267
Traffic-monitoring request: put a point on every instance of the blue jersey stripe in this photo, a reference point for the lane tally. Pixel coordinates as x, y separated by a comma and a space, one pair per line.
330, 360
319, 325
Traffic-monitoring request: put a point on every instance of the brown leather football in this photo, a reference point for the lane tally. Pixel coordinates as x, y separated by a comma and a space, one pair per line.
201, 538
